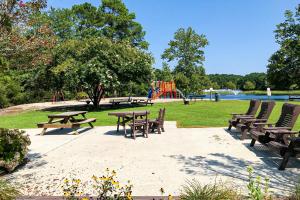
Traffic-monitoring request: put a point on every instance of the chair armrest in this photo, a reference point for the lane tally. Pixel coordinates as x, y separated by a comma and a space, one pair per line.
282, 131
263, 124
278, 128
246, 117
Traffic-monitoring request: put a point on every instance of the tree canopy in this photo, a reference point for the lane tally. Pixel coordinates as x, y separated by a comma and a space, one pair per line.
284, 64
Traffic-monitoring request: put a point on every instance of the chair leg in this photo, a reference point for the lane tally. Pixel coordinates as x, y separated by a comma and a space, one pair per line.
284, 161
133, 132
229, 127
163, 129
244, 134
252, 142
158, 129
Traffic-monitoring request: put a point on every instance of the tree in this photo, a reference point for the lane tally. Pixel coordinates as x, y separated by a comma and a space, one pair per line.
164, 74
97, 65
284, 64
222, 79
249, 85
119, 24
187, 50
24, 41
258, 79
230, 85
111, 19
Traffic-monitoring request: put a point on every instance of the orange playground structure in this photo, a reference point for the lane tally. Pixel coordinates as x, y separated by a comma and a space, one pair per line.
162, 89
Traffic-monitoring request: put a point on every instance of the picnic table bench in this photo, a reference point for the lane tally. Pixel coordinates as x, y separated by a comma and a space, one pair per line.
127, 116
66, 120
115, 102
141, 101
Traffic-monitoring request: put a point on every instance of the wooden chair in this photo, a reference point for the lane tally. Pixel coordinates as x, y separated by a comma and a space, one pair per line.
286, 148
266, 132
247, 123
253, 107
158, 123
139, 125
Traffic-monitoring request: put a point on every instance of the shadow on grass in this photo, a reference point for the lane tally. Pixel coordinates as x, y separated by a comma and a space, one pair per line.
82, 107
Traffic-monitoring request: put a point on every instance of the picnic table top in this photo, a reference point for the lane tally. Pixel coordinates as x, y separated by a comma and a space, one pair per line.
128, 113
67, 114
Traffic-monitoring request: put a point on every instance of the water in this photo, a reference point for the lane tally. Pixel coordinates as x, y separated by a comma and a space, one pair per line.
250, 96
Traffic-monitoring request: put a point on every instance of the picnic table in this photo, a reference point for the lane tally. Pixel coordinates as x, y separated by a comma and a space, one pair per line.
66, 120
138, 101
127, 116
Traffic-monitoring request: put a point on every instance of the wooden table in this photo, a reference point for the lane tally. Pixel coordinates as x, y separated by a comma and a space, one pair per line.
66, 120
125, 117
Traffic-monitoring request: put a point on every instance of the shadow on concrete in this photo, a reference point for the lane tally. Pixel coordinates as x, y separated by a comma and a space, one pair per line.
122, 133
65, 131
220, 164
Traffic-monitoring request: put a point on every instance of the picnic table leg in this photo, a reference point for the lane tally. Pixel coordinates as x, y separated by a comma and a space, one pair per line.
75, 132
118, 124
124, 126
44, 129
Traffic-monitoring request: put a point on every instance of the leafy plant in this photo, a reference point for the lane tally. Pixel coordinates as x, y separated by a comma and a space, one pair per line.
194, 190
7, 191
13, 148
255, 188
107, 187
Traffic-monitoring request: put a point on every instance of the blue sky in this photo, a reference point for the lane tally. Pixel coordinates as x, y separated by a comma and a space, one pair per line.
240, 32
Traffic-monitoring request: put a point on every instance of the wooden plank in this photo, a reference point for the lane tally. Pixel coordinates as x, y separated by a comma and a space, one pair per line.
85, 121
128, 113
67, 114
58, 125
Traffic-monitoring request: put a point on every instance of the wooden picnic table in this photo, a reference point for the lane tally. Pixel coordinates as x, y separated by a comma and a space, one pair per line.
66, 120
127, 116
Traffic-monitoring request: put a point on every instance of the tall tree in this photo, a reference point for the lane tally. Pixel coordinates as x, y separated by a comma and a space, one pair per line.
119, 24
111, 19
187, 50
284, 64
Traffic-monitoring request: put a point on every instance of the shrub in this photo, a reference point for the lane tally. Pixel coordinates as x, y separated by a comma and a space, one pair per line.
13, 148
194, 190
82, 95
7, 191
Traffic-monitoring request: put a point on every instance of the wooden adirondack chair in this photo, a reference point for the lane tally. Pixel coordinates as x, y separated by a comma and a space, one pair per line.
253, 107
139, 125
266, 132
247, 123
289, 147
158, 123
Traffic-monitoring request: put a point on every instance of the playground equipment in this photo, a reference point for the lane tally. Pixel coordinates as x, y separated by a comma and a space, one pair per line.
162, 89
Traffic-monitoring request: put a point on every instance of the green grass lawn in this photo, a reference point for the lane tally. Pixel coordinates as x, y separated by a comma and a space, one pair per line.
199, 114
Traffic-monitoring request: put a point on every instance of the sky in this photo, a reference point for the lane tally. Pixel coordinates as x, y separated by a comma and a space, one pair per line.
240, 32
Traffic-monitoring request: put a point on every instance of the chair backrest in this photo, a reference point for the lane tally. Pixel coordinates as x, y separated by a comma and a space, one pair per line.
161, 115
289, 115
265, 109
253, 107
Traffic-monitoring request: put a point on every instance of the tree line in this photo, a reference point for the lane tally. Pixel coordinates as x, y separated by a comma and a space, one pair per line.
102, 51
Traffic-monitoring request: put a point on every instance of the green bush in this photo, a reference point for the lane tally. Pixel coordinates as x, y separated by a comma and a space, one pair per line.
13, 148
194, 190
7, 191
82, 95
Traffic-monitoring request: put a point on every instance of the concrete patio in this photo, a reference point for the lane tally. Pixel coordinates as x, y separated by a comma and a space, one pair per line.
160, 161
